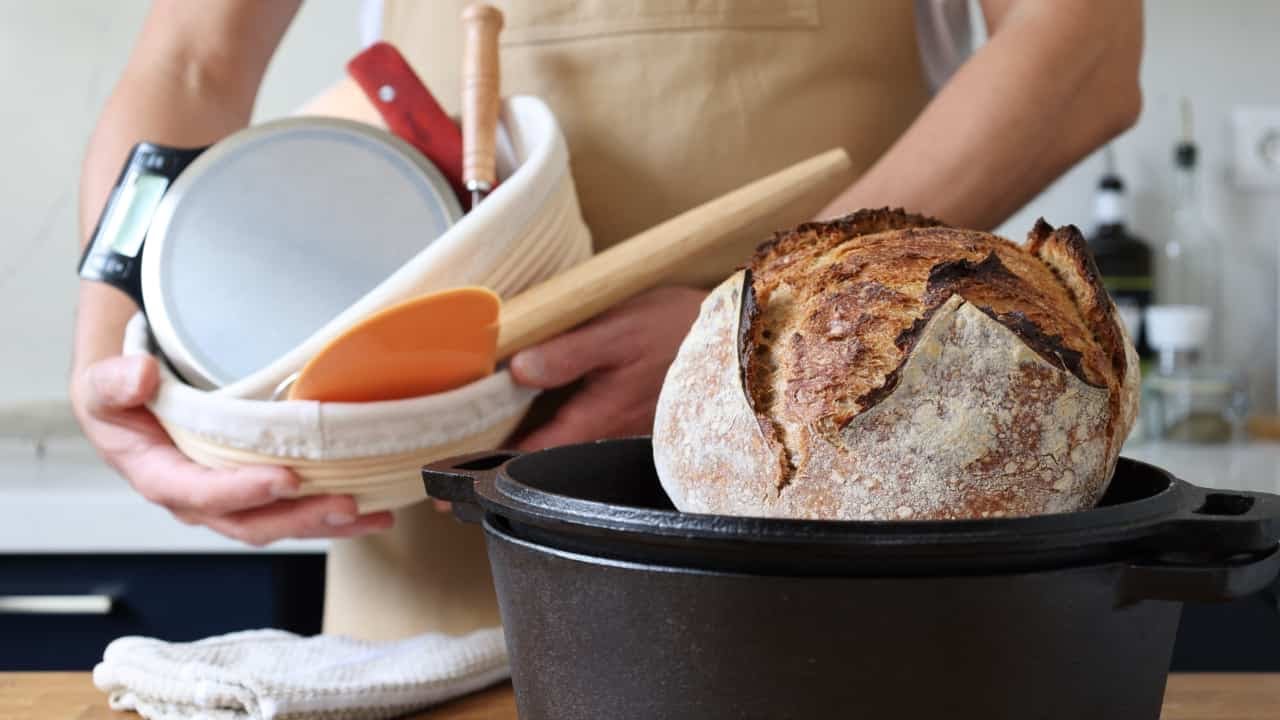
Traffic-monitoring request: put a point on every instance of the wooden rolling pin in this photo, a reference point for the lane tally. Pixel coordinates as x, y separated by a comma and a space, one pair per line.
649, 259
481, 24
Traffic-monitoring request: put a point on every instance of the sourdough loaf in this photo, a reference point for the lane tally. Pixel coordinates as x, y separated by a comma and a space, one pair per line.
884, 366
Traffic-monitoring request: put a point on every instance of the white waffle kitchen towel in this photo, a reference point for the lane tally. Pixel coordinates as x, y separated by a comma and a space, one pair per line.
276, 675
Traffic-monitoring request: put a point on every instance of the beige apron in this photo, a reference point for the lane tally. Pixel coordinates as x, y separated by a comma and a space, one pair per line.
665, 104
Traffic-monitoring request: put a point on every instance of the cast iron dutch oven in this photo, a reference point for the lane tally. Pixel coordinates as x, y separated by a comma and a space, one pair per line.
617, 606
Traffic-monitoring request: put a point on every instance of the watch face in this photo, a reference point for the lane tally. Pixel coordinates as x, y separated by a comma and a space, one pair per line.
125, 225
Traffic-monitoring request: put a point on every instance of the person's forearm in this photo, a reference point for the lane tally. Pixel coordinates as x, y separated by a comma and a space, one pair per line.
191, 79
153, 103
1057, 79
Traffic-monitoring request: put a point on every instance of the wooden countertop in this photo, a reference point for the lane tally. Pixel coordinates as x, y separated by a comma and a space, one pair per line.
72, 696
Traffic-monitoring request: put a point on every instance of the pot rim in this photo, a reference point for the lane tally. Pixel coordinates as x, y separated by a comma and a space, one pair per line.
1167, 516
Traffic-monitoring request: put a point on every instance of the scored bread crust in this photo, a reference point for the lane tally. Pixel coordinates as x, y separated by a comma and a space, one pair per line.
885, 366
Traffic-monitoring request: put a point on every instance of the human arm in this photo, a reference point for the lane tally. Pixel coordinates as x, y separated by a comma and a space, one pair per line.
1055, 80
191, 79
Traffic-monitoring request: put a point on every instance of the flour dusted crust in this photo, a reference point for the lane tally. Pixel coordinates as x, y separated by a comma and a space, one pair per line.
884, 366
708, 410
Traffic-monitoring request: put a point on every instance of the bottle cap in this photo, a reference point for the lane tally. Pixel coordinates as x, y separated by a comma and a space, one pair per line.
1177, 327
1109, 202
1184, 155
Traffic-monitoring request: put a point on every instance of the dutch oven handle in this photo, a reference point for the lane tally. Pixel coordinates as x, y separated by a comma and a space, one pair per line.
454, 480
1224, 546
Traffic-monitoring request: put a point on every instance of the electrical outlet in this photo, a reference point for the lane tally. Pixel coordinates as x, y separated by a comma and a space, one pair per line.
1256, 147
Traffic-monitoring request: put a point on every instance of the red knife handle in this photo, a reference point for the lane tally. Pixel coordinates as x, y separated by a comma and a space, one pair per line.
410, 111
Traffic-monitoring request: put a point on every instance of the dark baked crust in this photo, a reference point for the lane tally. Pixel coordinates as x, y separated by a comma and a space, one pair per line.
794, 254
1065, 251
840, 304
786, 249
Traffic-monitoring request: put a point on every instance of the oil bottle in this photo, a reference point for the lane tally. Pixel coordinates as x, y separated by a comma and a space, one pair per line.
1123, 258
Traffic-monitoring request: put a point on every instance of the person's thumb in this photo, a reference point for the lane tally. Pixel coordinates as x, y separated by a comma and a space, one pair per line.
122, 382
560, 360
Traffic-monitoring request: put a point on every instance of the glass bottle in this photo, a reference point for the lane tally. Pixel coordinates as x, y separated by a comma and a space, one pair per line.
1123, 259
1190, 396
1190, 271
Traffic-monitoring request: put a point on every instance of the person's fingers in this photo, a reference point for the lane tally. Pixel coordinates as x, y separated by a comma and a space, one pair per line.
567, 357
309, 517
364, 524
605, 407
163, 475
442, 505
568, 425
120, 382
361, 525
656, 318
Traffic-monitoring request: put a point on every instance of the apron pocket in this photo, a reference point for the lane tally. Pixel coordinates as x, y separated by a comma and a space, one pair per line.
559, 20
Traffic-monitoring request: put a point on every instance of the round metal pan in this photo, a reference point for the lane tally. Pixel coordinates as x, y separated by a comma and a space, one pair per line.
274, 231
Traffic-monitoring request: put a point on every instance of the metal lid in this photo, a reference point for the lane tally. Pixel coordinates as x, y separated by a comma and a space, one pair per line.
277, 229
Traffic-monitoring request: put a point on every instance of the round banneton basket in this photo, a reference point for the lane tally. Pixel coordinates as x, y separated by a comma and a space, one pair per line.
528, 229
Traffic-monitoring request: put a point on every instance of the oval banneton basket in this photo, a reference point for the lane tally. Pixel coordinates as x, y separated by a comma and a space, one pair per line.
528, 229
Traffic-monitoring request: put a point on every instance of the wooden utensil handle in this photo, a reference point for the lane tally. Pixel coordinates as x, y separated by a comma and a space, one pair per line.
481, 24
648, 259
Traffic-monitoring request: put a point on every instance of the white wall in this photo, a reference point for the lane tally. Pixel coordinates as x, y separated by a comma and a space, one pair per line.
1218, 54
58, 63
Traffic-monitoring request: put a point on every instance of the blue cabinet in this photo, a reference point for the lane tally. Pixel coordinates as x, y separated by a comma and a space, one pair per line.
188, 597
171, 597
1238, 636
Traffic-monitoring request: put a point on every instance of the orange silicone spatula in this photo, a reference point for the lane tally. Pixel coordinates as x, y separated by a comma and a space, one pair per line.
446, 339
420, 346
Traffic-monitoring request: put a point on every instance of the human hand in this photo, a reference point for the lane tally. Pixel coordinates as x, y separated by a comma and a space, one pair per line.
256, 505
619, 361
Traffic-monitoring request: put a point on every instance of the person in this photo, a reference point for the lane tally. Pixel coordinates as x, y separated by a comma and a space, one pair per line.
664, 105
